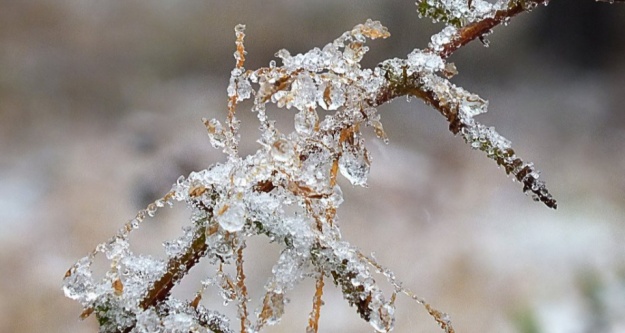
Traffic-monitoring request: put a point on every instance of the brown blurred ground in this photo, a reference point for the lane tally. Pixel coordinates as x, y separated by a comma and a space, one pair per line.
100, 107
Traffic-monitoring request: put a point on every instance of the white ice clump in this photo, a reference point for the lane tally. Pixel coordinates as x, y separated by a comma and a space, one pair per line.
115, 248
420, 61
148, 321
231, 215
438, 41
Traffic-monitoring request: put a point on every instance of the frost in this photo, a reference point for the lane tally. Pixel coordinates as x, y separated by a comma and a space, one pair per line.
148, 321
382, 315
288, 271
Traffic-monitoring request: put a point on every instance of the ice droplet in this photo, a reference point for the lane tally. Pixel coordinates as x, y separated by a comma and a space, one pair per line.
305, 121
282, 150
244, 89
304, 92
336, 199
215, 132
231, 215
239, 28
379, 130
330, 96
354, 165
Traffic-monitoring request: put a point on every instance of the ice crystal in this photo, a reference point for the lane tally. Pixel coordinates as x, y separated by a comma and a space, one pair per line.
354, 165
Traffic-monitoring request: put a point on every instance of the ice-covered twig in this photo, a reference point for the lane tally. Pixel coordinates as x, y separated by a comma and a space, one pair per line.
417, 76
287, 190
469, 20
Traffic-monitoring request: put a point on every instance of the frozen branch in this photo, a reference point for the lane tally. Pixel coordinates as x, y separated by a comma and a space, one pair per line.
287, 190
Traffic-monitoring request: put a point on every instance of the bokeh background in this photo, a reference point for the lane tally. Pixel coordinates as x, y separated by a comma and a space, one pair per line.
100, 108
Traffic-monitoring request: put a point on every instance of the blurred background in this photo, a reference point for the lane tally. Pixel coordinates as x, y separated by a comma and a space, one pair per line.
100, 108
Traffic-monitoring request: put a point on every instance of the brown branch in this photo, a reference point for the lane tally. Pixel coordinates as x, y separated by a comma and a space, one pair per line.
313, 320
242, 290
